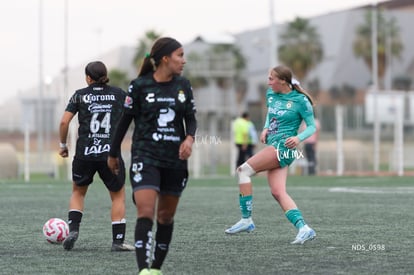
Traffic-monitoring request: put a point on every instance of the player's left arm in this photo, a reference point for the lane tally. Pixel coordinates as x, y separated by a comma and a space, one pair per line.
306, 113
190, 127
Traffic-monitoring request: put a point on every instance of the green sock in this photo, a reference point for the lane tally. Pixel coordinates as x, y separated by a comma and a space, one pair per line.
295, 217
246, 205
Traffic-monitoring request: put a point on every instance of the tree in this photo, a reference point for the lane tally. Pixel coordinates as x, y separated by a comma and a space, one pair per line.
238, 62
301, 48
118, 78
388, 40
144, 46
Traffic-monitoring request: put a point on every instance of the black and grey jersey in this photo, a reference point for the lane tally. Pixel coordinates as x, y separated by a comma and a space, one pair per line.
160, 110
99, 108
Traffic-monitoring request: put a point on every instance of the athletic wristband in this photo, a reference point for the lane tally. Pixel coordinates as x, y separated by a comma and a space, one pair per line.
62, 145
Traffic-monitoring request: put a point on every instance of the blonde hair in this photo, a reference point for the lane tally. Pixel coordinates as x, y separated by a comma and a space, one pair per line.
284, 73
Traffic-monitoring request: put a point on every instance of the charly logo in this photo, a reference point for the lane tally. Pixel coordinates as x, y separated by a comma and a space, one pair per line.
150, 97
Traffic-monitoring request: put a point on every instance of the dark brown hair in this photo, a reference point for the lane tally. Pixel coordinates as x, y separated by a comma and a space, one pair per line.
163, 46
96, 70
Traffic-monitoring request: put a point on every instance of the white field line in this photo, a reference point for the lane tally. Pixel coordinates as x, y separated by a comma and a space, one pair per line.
373, 190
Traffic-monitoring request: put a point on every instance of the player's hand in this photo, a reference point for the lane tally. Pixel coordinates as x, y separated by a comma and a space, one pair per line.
263, 136
292, 142
113, 165
186, 148
64, 152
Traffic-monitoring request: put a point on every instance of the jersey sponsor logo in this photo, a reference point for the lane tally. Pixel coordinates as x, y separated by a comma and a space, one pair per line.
158, 136
273, 126
166, 115
128, 102
89, 98
165, 99
97, 148
150, 97
276, 111
99, 108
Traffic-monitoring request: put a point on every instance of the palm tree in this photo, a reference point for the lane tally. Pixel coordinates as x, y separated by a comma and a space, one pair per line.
388, 40
301, 48
144, 46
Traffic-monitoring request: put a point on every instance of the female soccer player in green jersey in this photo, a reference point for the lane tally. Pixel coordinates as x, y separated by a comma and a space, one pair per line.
287, 105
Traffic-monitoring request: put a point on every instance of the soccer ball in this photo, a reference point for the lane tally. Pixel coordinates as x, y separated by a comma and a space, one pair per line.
55, 230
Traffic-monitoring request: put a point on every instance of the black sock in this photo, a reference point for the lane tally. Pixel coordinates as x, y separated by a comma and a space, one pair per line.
74, 220
162, 240
118, 232
143, 242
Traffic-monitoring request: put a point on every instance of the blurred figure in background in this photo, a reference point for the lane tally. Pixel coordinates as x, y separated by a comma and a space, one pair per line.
241, 133
310, 145
253, 139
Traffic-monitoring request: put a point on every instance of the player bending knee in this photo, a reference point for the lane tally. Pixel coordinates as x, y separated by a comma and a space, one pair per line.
245, 171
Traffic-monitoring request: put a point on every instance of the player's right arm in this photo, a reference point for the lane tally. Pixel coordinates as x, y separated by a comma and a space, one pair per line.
115, 151
63, 133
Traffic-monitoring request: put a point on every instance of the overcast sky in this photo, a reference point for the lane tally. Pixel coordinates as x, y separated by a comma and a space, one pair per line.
96, 26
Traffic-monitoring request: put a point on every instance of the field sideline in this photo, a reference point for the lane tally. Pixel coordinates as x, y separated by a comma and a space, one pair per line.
364, 225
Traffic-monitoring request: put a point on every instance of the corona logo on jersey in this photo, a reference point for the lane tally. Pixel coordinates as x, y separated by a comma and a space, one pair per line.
89, 98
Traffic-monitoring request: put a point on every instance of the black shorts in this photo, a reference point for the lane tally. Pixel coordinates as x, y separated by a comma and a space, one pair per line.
164, 180
83, 172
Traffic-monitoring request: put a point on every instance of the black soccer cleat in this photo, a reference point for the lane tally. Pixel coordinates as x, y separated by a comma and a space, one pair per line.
69, 242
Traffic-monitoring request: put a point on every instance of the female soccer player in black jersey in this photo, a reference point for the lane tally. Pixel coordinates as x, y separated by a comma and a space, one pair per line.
160, 102
99, 107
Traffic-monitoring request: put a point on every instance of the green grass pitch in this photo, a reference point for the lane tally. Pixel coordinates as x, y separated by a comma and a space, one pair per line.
364, 225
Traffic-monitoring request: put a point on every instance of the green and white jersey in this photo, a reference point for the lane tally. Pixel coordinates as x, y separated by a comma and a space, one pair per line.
159, 110
285, 113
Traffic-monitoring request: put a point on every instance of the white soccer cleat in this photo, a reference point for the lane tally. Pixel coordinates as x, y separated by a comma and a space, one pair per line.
244, 225
122, 247
305, 234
